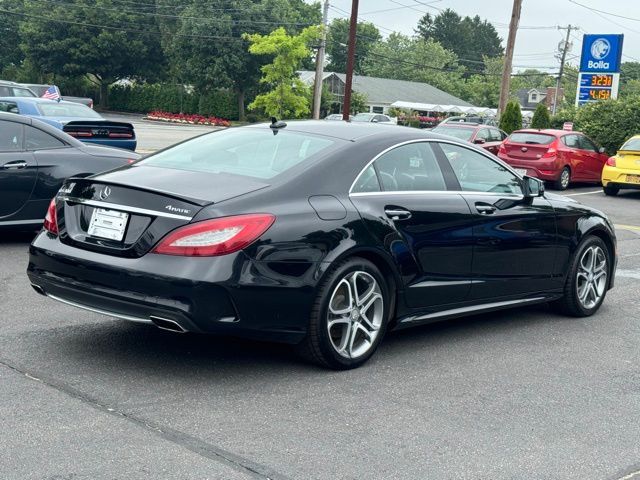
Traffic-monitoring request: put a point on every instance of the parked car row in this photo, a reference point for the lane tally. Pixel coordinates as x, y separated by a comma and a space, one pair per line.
13, 89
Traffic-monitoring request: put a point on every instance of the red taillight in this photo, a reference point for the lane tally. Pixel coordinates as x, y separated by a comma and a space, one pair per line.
611, 161
552, 151
51, 219
120, 135
215, 237
130, 161
80, 134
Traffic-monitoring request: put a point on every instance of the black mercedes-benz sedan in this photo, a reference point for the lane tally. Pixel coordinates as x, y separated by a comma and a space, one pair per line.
35, 158
320, 234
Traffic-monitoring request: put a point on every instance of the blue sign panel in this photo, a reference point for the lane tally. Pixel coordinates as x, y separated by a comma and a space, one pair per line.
601, 53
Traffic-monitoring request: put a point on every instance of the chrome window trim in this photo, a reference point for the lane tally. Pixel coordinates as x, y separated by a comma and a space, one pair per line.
440, 192
433, 140
124, 208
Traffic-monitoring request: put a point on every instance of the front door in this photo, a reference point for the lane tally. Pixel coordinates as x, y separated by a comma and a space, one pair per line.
18, 169
428, 234
514, 240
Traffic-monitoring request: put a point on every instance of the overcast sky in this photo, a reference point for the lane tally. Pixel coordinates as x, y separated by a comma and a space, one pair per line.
535, 47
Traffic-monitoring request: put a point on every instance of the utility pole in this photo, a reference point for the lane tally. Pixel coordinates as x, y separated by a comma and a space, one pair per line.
351, 54
317, 86
565, 48
508, 57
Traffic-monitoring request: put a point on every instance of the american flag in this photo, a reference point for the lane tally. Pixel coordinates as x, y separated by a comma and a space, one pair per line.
52, 93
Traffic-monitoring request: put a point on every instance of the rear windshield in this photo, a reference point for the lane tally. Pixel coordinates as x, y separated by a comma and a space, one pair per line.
461, 133
531, 138
251, 152
632, 144
55, 109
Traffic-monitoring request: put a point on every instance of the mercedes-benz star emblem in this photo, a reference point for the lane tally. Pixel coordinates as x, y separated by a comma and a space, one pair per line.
104, 193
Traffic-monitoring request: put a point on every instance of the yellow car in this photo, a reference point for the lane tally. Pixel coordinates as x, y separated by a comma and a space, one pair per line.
623, 169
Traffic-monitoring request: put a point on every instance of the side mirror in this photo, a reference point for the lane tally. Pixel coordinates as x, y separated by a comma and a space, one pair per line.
601, 150
532, 187
375, 120
479, 141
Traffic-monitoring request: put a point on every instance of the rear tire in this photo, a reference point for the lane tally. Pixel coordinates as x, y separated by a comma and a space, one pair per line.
610, 191
588, 279
349, 317
562, 183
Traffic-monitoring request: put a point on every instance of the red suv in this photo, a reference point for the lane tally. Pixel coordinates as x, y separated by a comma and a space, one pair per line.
487, 137
556, 156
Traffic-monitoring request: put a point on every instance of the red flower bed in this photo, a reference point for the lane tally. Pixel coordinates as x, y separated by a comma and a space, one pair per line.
191, 118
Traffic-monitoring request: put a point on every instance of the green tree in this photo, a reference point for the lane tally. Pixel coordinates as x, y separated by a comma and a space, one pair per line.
358, 102
10, 55
126, 45
511, 119
610, 122
469, 38
541, 117
288, 95
367, 35
209, 51
483, 90
405, 58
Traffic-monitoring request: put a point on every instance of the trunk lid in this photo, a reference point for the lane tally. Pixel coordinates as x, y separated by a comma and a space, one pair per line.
99, 129
127, 211
628, 160
528, 146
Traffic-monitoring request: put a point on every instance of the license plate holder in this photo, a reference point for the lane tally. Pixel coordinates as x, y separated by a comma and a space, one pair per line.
110, 224
633, 179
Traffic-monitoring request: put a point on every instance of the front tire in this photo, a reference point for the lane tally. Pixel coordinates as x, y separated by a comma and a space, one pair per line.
563, 180
588, 280
349, 317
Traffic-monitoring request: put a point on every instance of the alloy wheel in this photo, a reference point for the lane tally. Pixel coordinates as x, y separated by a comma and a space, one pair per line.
565, 176
591, 281
355, 314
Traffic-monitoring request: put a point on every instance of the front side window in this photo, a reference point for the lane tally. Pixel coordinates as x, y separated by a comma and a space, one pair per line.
10, 137
407, 168
495, 135
251, 152
483, 134
478, 173
22, 92
586, 144
461, 133
36, 139
10, 107
571, 141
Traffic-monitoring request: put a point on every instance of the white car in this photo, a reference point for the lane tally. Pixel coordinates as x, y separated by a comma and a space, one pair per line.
372, 117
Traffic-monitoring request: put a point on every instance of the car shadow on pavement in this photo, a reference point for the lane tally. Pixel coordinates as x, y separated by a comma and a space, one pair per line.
17, 237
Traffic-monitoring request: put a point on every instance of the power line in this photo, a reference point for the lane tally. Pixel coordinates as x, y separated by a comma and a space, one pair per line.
605, 13
597, 12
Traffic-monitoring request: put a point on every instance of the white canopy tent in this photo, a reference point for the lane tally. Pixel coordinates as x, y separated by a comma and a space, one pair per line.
430, 107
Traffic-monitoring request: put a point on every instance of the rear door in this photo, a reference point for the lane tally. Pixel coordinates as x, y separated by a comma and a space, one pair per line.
576, 157
18, 169
432, 239
514, 241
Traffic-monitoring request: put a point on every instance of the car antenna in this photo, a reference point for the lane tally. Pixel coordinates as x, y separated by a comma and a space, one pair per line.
276, 124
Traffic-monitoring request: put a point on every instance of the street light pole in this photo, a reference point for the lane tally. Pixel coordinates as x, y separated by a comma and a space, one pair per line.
351, 53
562, 60
317, 86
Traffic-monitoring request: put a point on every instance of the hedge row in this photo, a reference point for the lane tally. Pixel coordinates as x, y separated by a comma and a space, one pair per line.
172, 98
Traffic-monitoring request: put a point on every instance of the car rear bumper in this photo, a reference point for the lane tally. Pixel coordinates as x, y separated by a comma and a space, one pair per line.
543, 169
226, 295
617, 177
126, 144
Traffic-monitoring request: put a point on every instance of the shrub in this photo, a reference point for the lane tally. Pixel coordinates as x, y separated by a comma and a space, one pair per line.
142, 98
567, 114
541, 117
610, 122
511, 119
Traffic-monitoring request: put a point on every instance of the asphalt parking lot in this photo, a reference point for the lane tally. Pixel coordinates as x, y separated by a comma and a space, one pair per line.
521, 394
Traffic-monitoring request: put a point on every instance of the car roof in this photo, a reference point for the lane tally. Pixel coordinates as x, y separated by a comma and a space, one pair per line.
8, 82
547, 131
355, 131
37, 100
464, 125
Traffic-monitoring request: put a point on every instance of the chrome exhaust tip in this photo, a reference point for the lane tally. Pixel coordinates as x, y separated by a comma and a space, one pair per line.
38, 289
167, 324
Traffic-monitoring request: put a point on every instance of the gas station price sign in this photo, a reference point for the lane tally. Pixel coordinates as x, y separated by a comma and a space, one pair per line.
597, 86
599, 76
597, 80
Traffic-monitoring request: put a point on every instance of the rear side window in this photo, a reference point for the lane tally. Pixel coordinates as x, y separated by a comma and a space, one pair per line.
632, 144
407, 168
251, 152
10, 137
531, 138
22, 92
36, 139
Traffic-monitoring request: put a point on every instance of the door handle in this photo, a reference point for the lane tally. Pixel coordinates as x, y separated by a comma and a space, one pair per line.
485, 208
397, 213
15, 165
